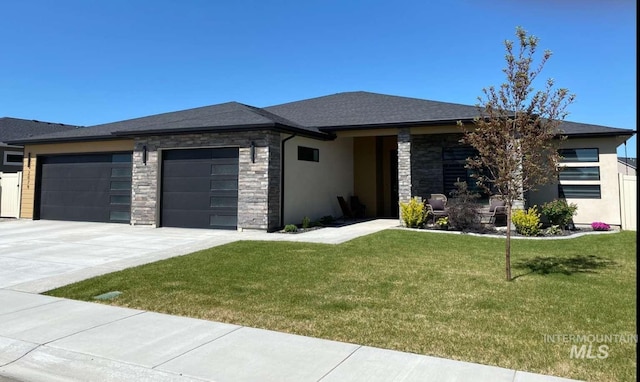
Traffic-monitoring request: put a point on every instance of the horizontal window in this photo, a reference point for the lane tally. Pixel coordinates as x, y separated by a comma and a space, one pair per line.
217, 201
308, 154
223, 220
120, 216
121, 158
580, 173
579, 191
120, 185
120, 199
224, 169
217, 185
578, 155
13, 158
121, 172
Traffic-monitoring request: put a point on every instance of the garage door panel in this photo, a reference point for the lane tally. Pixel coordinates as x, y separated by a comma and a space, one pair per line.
88, 187
71, 198
200, 188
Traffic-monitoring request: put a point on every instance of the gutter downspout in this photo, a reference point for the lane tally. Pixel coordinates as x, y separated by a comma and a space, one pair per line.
282, 152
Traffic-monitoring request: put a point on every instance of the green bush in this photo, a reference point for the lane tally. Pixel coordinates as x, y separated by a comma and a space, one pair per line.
527, 222
413, 213
290, 228
306, 222
327, 219
559, 212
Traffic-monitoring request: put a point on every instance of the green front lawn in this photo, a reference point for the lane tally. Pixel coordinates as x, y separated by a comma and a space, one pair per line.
428, 293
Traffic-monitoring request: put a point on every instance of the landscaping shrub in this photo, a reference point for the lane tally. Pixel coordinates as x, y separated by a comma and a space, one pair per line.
527, 222
600, 226
559, 212
463, 209
443, 222
306, 222
290, 228
413, 213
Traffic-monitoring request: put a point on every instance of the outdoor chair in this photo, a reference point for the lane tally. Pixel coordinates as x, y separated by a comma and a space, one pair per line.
347, 213
436, 207
497, 208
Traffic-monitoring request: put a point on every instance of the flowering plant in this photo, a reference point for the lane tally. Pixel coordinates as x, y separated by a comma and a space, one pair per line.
443, 222
600, 226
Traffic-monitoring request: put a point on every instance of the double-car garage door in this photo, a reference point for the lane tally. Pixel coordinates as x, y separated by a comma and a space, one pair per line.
87, 187
199, 188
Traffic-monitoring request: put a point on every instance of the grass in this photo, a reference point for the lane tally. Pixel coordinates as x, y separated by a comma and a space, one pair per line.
426, 293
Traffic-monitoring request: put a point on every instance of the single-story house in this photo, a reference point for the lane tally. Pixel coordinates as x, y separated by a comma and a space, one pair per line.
14, 128
237, 166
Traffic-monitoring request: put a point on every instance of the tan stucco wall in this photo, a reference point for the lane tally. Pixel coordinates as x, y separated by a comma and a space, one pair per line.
364, 171
605, 209
311, 188
29, 171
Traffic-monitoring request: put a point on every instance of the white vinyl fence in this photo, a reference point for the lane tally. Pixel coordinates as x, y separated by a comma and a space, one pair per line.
10, 185
628, 201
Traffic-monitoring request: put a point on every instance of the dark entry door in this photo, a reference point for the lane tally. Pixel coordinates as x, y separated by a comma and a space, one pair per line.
85, 187
200, 188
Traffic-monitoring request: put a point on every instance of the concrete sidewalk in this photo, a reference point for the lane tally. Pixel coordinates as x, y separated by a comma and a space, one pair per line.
44, 338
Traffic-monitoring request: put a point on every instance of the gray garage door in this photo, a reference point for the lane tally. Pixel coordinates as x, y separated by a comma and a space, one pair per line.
87, 187
200, 188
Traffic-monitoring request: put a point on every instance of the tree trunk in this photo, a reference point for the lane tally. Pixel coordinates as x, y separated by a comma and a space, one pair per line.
507, 255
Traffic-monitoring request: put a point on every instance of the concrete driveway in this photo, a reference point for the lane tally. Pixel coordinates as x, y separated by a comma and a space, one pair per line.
36, 256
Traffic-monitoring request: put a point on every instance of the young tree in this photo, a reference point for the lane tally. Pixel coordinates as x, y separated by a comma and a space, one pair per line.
517, 132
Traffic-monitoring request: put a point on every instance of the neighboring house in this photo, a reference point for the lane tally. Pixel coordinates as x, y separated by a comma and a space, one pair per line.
237, 166
14, 128
627, 166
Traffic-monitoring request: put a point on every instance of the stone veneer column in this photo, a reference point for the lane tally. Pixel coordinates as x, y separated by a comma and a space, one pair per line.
259, 185
404, 165
144, 188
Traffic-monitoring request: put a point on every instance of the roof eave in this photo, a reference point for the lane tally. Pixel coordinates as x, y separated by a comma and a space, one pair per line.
452, 122
230, 128
64, 140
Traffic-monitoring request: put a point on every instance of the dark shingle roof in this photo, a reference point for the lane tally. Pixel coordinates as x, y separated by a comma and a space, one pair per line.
577, 129
315, 117
15, 128
225, 116
337, 111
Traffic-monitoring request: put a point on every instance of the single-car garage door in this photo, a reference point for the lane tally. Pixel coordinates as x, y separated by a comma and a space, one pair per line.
86, 187
200, 188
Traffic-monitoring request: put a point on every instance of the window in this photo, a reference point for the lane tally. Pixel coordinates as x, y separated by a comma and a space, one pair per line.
308, 154
12, 158
578, 155
580, 173
454, 168
579, 191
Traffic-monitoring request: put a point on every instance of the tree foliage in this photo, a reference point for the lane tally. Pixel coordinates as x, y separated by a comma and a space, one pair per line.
517, 131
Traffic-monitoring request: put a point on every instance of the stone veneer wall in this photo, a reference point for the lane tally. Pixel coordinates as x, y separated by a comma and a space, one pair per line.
258, 183
404, 165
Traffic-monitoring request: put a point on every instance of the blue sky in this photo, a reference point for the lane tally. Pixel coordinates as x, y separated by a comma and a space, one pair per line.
87, 62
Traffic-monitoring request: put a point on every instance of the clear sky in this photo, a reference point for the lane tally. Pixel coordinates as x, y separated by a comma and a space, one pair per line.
87, 62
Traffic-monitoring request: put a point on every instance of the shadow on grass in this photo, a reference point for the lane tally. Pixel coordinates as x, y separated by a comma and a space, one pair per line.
563, 265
